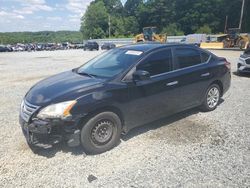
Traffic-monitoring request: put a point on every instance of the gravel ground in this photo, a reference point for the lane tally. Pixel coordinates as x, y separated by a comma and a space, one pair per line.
191, 149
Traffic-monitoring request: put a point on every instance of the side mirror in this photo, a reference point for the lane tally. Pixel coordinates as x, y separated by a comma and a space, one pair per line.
141, 75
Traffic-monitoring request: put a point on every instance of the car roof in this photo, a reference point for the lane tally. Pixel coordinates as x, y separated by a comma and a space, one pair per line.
146, 47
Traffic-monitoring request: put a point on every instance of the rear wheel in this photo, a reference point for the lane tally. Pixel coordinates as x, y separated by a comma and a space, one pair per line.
101, 133
242, 44
212, 98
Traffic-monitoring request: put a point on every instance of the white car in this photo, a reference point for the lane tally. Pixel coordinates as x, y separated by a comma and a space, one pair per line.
243, 65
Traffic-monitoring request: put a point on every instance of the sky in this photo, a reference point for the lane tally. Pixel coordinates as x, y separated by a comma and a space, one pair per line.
41, 15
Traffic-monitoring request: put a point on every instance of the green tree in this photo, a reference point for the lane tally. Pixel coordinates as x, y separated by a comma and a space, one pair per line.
157, 13
131, 7
117, 26
131, 26
205, 29
172, 30
95, 21
193, 14
114, 7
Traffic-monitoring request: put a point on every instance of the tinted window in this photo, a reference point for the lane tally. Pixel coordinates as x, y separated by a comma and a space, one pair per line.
204, 57
187, 57
157, 63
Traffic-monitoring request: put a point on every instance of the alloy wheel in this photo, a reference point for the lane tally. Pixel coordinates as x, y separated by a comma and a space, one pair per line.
213, 97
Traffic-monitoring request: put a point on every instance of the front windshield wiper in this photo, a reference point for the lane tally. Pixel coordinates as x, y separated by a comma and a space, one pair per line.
87, 74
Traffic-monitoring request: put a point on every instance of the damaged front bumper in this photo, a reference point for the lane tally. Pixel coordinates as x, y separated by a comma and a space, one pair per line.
50, 131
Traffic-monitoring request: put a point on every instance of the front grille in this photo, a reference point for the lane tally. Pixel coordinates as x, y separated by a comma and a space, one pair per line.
27, 110
248, 61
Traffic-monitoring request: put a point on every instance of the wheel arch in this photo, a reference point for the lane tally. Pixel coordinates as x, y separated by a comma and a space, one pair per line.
219, 83
113, 109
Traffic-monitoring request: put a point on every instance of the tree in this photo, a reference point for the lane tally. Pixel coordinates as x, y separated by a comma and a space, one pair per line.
131, 7
157, 13
193, 14
172, 30
171, 16
205, 29
95, 21
131, 25
114, 7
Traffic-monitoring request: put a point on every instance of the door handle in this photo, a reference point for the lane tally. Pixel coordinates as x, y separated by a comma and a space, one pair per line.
172, 83
205, 74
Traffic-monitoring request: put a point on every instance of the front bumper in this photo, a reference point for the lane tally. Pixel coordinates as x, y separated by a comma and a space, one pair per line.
50, 132
243, 65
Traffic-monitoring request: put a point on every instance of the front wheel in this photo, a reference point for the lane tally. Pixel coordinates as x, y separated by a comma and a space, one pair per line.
212, 98
101, 133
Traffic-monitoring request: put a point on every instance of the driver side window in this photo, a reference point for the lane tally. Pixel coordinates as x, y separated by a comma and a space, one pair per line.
157, 63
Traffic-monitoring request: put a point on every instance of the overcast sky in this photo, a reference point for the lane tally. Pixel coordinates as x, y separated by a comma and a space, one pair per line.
40, 15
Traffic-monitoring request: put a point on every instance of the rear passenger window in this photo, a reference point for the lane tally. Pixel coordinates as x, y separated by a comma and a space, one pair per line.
204, 57
157, 63
187, 57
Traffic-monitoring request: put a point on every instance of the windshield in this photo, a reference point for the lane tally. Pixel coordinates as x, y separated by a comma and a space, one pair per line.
111, 63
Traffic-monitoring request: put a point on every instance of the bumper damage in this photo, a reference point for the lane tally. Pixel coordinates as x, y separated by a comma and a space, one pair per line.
50, 132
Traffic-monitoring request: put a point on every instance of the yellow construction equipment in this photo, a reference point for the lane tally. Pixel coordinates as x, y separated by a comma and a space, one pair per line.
214, 42
212, 45
150, 34
232, 39
244, 41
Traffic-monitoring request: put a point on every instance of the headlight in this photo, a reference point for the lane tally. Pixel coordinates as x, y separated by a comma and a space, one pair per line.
59, 110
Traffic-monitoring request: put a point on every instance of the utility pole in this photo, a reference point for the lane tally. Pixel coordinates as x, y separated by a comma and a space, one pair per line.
225, 30
242, 13
109, 27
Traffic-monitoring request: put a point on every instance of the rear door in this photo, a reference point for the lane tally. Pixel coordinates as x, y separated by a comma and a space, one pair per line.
192, 66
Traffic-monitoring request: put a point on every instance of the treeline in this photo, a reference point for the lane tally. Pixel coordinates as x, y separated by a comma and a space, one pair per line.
174, 17
41, 37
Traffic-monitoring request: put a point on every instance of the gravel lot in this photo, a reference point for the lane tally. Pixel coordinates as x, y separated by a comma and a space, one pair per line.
191, 149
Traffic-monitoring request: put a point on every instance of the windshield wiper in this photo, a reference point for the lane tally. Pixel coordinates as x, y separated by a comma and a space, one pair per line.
87, 74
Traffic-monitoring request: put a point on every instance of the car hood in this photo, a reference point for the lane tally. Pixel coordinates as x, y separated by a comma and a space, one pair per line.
61, 87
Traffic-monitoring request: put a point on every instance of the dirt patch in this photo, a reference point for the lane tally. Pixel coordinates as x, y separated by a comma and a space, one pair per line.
183, 132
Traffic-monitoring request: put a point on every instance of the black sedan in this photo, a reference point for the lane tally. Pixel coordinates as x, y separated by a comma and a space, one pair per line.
5, 49
94, 104
91, 45
108, 46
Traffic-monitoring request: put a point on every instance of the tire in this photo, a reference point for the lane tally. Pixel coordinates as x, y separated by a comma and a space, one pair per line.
101, 133
209, 104
242, 44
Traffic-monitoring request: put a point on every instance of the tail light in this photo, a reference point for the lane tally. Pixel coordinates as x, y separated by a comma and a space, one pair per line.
227, 64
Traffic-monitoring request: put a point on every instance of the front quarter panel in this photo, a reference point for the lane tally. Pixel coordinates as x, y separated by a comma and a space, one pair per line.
111, 95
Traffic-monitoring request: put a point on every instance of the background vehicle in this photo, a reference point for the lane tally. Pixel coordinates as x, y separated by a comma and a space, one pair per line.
108, 46
150, 34
91, 45
233, 38
243, 65
195, 39
5, 49
121, 89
